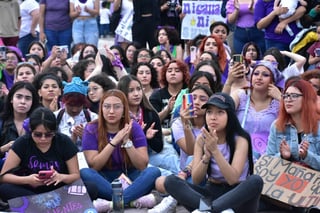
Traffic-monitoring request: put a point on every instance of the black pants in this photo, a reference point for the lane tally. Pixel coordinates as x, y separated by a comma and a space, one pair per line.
242, 198
143, 31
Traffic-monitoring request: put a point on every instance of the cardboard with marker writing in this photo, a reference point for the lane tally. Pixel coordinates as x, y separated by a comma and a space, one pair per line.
70, 198
289, 183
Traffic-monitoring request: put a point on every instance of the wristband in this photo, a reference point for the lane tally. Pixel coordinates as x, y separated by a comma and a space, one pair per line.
313, 13
112, 144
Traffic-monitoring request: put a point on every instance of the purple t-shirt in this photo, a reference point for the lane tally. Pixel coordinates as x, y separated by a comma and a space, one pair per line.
90, 142
215, 171
257, 123
245, 17
261, 10
56, 15
178, 133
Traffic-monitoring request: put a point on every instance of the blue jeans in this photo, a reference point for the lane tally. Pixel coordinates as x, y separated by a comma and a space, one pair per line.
242, 36
277, 44
62, 37
142, 182
167, 160
104, 29
24, 42
85, 31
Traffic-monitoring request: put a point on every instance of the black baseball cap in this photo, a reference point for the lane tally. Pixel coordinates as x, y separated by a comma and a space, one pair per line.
220, 100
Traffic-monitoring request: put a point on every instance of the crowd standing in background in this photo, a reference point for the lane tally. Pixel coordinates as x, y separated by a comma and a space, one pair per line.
184, 119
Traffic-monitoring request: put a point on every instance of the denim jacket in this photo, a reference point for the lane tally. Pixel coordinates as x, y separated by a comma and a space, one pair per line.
291, 136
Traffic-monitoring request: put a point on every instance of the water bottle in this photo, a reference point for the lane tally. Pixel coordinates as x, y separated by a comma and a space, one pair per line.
117, 196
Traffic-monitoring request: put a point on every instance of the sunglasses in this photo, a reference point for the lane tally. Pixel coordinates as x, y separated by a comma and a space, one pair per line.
46, 135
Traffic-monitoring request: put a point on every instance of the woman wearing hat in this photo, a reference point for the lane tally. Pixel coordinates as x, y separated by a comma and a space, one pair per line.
72, 119
223, 154
257, 107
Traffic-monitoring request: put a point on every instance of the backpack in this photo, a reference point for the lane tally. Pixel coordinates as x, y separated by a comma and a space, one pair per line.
85, 111
303, 40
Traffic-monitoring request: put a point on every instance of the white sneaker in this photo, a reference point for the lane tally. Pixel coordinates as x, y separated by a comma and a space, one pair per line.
167, 205
147, 201
102, 205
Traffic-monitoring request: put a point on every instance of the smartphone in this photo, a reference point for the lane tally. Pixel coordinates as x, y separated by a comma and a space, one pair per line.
3, 53
317, 52
64, 48
187, 102
45, 174
102, 51
237, 58
193, 54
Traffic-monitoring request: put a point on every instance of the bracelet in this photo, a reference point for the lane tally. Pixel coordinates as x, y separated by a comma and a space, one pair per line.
112, 144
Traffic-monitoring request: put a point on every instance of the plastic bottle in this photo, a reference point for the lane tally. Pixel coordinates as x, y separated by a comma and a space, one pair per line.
117, 196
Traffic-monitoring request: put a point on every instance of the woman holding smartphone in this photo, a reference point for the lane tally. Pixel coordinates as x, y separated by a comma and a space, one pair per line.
43, 149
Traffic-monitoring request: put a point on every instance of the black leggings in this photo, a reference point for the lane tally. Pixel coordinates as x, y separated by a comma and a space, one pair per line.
243, 197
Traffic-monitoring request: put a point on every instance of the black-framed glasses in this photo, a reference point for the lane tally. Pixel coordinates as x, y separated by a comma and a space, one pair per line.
46, 135
292, 96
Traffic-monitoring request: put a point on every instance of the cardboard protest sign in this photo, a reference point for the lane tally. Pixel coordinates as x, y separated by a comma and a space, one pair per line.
289, 182
69, 198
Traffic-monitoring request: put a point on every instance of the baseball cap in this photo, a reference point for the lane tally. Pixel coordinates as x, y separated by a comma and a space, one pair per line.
220, 100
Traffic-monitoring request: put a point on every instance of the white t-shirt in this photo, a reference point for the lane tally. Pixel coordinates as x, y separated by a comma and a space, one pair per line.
26, 8
67, 122
88, 3
292, 70
104, 16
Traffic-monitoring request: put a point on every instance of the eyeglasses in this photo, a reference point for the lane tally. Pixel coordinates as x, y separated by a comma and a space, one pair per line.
144, 56
46, 135
26, 62
116, 107
292, 96
12, 58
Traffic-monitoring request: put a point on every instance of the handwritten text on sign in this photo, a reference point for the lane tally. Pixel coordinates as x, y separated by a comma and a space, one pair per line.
199, 15
288, 182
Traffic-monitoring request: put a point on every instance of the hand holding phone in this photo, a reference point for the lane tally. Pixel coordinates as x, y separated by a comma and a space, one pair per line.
237, 58
45, 174
187, 103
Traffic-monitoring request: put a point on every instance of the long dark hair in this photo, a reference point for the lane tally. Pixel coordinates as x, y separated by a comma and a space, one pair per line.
154, 75
234, 129
43, 116
7, 113
123, 85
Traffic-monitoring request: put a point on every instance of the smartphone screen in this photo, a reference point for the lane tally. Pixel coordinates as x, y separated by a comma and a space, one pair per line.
187, 102
193, 54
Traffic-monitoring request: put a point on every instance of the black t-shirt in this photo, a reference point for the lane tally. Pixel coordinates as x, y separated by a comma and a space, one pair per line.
159, 100
33, 160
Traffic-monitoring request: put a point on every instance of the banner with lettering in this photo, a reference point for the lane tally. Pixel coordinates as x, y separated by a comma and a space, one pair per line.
124, 28
199, 15
71, 198
289, 182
